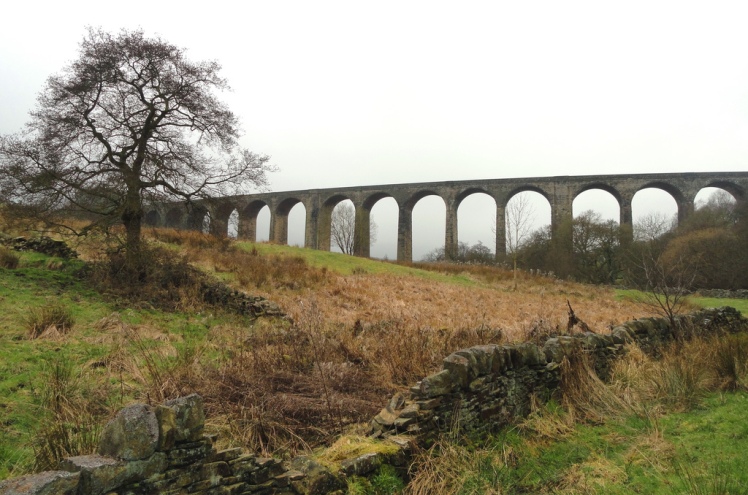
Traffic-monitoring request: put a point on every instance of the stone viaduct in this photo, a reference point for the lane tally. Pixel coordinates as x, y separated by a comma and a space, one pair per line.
319, 203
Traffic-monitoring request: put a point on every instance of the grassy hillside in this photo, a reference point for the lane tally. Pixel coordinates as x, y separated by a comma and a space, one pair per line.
359, 331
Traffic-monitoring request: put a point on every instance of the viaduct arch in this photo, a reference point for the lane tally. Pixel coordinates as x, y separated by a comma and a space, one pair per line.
560, 192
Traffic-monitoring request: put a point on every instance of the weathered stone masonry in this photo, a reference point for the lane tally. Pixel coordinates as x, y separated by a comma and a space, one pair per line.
162, 449
319, 203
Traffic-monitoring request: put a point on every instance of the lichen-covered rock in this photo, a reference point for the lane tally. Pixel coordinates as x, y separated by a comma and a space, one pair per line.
461, 368
361, 465
438, 384
621, 335
190, 417
530, 355
100, 475
131, 435
317, 480
596, 341
167, 428
484, 357
46, 483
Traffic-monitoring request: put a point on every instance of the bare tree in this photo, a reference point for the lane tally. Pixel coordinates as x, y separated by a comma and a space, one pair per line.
653, 226
666, 282
130, 121
520, 216
343, 227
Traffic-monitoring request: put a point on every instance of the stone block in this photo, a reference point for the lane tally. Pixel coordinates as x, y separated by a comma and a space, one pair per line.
500, 359
459, 367
167, 428
529, 354
484, 356
132, 434
46, 483
596, 341
100, 475
621, 335
190, 417
361, 465
317, 479
438, 384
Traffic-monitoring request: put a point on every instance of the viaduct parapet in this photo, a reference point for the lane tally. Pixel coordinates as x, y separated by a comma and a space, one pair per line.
560, 192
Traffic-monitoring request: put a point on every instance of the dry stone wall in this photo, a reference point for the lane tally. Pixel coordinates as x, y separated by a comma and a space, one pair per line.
163, 449
487, 387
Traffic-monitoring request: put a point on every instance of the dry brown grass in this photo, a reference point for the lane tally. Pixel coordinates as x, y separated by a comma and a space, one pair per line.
283, 386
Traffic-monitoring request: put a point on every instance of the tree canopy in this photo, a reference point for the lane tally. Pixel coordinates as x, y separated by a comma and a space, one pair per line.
130, 121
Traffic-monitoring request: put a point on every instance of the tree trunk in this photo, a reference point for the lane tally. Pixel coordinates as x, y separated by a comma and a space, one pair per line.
132, 217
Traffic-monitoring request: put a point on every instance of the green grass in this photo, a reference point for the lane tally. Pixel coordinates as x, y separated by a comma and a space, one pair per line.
679, 453
347, 265
25, 362
713, 302
698, 301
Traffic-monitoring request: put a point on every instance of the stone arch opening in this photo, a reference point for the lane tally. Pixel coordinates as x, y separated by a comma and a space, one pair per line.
342, 227
198, 218
262, 233
297, 225
289, 223
233, 224
383, 213
174, 217
654, 212
602, 200
713, 207
527, 211
220, 218
714, 196
254, 222
153, 218
476, 221
325, 238
429, 214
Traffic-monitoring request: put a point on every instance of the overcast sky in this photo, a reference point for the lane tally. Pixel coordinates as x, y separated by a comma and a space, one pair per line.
344, 93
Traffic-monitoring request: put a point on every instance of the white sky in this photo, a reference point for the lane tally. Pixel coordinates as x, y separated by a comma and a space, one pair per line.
344, 93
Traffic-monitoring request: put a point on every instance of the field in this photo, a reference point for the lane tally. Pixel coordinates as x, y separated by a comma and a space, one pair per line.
73, 350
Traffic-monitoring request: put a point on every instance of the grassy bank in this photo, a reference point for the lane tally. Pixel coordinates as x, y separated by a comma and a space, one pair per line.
362, 329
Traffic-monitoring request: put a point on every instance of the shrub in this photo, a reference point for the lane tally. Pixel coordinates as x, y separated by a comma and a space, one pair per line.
162, 278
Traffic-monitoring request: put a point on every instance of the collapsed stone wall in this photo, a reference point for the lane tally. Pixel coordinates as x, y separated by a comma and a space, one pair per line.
724, 293
163, 450
42, 244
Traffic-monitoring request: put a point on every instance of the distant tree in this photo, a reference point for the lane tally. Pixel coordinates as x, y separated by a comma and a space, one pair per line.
466, 253
596, 248
343, 228
130, 121
719, 210
653, 226
520, 216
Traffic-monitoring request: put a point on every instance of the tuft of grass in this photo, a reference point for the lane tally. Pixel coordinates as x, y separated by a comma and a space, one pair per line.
55, 318
730, 362
8, 259
69, 426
